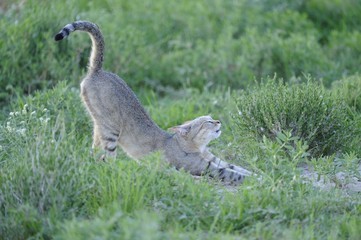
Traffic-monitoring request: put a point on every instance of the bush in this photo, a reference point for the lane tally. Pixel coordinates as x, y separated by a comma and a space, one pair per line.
264, 54
326, 15
307, 111
333, 15
346, 47
349, 89
29, 58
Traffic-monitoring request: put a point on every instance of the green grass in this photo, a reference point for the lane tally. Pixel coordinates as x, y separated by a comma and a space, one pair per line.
51, 186
183, 60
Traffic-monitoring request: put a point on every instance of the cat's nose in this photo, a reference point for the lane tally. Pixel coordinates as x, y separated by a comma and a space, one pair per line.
217, 122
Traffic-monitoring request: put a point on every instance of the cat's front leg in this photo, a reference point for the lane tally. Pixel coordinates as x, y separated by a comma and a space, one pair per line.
222, 164
225, 174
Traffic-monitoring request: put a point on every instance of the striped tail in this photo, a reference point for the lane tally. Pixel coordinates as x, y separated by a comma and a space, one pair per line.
65, 32
96, 57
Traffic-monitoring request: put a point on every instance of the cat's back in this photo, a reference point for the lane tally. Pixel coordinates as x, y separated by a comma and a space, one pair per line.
108, 95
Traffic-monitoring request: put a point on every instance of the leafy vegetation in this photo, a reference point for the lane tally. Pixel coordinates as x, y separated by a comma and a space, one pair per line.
184, 59
348, 90
194, 44
51, 186
306, 110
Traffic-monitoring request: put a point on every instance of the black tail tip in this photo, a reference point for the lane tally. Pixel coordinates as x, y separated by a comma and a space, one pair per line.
59, 37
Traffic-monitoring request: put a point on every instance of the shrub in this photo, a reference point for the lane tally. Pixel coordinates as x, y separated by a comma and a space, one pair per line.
346, 48
349, 89
333, 15
327, 15
29, 58
264, 54
307, 111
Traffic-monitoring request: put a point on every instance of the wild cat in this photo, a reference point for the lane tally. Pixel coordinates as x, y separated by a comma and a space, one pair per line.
120, 120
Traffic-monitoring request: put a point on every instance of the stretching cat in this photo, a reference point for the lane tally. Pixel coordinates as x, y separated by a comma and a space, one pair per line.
120, 119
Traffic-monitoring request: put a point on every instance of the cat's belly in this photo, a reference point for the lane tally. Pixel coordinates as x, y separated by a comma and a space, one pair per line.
135, 148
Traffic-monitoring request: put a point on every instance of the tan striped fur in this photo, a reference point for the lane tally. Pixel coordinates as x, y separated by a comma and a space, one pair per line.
188, 149
120, 120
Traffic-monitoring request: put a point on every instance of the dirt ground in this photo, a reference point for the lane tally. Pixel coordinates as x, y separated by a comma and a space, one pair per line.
340, 180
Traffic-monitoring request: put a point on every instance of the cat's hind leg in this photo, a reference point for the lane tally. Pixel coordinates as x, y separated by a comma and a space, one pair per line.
107, 139
96, 138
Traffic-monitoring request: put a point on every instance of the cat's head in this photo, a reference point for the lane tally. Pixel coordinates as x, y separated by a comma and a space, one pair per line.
199, 131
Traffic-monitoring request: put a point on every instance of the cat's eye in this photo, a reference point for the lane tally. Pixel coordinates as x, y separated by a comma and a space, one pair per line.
214, 122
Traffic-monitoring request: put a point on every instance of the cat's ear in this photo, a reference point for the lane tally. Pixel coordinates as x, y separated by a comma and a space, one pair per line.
183, 129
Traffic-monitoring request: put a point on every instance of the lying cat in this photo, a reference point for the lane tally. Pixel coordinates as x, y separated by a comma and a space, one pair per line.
120, 120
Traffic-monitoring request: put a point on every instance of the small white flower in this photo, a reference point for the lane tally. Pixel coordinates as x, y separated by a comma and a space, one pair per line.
33, 113
11, 113
25, 111
44, 120
10, 129
17, 113
45, 110
21, 131
240, 113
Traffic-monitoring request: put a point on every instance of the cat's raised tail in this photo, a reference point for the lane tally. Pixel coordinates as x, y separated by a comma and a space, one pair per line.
96, 57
